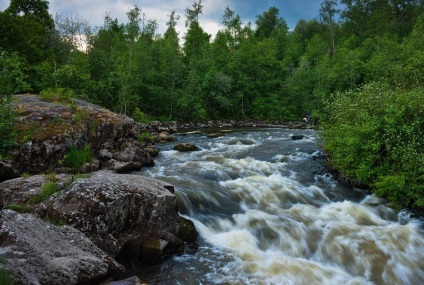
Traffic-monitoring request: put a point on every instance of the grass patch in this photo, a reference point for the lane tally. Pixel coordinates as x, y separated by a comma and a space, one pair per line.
77, 157
55, 221
20, 209
5, 277
48, 189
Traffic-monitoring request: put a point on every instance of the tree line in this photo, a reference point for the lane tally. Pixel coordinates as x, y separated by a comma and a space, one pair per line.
340, 67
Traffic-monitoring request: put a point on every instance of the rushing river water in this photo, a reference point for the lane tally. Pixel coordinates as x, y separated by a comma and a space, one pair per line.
267, 213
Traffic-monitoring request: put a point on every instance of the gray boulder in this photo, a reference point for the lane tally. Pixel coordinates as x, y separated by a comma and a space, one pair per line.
123, 167
184, 147
20, 190
165, 137
36, 252
133, 152
128, 216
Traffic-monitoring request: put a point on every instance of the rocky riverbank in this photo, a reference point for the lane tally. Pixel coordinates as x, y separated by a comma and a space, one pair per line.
59, 226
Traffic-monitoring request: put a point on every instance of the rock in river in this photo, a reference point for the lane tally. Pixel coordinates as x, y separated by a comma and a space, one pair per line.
128, 216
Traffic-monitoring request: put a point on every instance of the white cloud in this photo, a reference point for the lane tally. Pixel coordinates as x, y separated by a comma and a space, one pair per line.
211, 20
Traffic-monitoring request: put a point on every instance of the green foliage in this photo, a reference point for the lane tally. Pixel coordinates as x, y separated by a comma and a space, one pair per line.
48, 189
77, 157
5, 277
20, 208
145, 137
60, 95
12, 80
140, 117
55, 221
374, 135
7, 126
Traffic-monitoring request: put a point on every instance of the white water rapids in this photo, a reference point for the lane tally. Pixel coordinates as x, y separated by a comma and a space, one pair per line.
267, 213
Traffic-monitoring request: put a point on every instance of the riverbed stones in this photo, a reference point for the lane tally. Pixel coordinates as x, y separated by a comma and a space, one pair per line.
36, 252
122, 213
297, 137
185, 147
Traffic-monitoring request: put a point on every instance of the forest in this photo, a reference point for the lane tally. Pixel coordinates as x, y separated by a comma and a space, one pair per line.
357, 68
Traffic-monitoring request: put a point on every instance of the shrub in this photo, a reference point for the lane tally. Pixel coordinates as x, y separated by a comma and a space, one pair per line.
57, 95
78, 157
140, 117
7, 125
374, 135
145, 137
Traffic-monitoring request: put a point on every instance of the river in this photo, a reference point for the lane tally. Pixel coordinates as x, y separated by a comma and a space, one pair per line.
268, 213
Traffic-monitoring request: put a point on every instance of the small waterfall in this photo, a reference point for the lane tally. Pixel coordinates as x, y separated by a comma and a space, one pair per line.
267, 213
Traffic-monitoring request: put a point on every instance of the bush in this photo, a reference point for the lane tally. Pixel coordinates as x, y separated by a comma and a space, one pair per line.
145, 137
57, 95
140, 117
374, 135
78, 157
7, 125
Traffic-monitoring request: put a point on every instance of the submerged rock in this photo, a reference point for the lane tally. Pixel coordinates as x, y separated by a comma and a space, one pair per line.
215, 135
242, 141
184, 147
297, 137
36, 252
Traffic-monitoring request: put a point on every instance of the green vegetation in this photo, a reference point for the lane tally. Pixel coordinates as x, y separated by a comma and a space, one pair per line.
374, 135
145, 137
140, 117
60, 95
20, 208
5, 277
77, 157
368, 54
55, 221
48, 189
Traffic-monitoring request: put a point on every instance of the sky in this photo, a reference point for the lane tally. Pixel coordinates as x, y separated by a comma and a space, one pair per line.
211, 20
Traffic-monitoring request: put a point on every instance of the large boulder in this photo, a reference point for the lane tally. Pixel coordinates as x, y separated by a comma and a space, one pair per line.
47, 131
128, 216
36, 252
133, 152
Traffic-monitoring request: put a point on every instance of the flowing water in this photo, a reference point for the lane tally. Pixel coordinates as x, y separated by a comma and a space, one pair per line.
268, 213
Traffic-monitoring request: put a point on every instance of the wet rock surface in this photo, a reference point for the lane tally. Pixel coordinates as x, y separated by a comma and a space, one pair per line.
183, 147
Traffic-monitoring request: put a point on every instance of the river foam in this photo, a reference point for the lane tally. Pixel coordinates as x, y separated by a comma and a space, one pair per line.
267, 213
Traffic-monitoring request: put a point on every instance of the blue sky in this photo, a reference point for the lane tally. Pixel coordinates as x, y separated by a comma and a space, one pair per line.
94, 10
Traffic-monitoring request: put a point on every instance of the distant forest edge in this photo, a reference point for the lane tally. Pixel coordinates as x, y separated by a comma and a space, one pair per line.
358, 68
